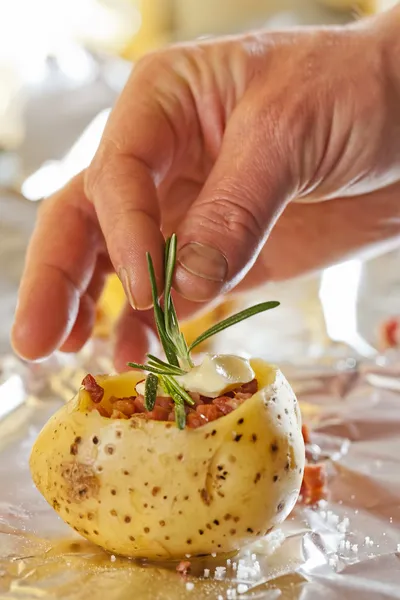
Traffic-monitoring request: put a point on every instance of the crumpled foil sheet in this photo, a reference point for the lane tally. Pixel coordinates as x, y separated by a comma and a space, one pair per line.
346, 547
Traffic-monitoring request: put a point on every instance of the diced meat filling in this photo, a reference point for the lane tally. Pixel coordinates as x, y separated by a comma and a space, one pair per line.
203, 410
95, 390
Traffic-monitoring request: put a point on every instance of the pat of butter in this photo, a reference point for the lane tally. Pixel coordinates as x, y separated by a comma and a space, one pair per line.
217, 374
161, 393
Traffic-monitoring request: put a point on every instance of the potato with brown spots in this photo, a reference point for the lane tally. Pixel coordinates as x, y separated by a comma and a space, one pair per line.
144, 488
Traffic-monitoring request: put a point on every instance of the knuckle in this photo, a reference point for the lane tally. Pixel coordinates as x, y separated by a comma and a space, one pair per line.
231, 213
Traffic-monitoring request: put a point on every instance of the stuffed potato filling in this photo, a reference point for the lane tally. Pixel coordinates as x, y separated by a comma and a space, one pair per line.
203, 411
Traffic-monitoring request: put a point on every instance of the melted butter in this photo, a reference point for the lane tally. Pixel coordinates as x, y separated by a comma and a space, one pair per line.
217, 374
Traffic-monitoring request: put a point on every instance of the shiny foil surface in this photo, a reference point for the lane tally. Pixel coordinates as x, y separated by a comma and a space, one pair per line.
346, 547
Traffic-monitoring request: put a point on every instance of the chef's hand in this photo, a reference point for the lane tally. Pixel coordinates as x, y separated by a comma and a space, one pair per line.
213, 140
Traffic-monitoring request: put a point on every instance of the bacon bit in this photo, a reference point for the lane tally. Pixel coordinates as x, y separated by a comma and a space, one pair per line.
139, 404
248, 388
314, 488
241, 396
124, 405
164, 402
193, 420
95, 390
209, 412
100, 409
117, 414
389, 333
305, 430
158, 414
184, 567
223, 404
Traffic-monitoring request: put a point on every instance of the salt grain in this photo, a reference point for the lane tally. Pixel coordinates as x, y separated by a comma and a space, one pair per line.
391, 520
188, 555
213, 554
254, 557
113, 558
322, 504
220, 572
206, 572
242, 588
354, 548
343, 525
189, 586
398, 547
228, 562
347, 545
367, 540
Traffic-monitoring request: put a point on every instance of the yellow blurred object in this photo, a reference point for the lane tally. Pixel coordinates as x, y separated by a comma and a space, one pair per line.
113, 300
365, 7
155, 30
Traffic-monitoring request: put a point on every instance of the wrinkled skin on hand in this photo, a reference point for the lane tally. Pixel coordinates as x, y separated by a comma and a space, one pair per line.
270, 155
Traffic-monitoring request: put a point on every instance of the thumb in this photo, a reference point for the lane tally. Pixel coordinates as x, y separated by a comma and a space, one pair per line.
226, 227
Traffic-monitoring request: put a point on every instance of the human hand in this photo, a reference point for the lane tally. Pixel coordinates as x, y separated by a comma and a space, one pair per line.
222, 142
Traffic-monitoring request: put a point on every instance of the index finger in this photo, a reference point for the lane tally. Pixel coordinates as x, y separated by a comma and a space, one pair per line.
134, 155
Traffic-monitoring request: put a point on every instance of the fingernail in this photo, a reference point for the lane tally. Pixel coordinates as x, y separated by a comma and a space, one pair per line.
204, 261
126, 284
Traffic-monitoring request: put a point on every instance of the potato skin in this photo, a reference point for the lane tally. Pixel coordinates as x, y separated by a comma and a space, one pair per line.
146, 489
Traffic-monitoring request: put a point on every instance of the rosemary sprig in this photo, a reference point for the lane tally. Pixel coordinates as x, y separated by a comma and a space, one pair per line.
236, 318
173, 341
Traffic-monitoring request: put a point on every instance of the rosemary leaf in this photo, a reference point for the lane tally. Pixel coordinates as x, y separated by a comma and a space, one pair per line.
149, 368
158, 363
159, 317
240, 316
180, 415
178, 389
150, 391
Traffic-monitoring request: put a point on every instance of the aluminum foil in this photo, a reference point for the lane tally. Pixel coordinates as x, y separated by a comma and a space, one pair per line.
346, 547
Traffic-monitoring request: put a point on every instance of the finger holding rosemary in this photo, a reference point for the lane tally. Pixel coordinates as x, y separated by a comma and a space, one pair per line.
177, 352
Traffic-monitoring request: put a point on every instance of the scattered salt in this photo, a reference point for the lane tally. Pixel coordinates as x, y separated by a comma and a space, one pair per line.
189, 586
242, 588
113, 558
343, 525
206, 572
220, 572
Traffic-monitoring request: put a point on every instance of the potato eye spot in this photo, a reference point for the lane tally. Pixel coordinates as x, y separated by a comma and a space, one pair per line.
109, 449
